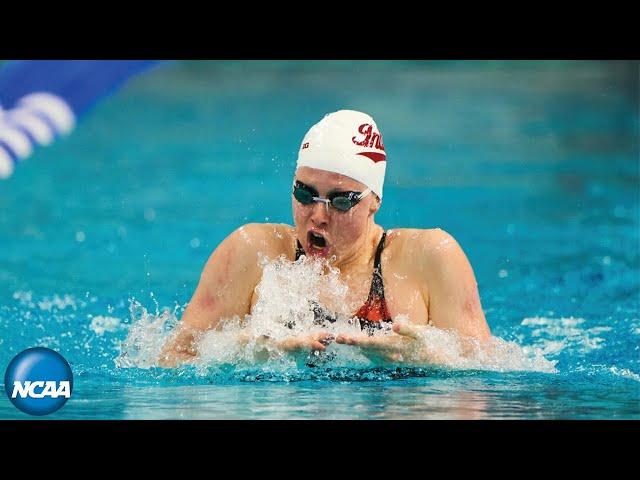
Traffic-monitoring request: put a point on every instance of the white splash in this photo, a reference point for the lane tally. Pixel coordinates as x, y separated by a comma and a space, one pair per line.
25, 298
102, 324
146, 337
58, 302
285, 295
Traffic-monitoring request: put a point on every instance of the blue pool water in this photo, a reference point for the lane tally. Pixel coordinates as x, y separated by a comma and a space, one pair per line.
532, 166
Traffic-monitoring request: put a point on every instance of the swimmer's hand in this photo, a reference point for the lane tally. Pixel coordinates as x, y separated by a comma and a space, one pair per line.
315, 342
405, 345
180, 348
266, 348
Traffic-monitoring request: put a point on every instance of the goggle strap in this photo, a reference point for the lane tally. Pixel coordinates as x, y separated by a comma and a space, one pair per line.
364, 194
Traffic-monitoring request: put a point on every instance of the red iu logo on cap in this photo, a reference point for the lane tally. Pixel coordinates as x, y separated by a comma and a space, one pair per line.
370, 139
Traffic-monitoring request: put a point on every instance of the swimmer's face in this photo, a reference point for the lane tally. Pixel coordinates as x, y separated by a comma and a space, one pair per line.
340, 231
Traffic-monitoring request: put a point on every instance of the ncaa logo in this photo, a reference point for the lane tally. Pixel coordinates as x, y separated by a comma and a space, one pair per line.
38, 381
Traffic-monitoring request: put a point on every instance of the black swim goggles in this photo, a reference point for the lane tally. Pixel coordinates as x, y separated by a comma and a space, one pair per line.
343, 201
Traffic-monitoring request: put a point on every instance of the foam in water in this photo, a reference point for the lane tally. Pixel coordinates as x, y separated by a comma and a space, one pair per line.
625, 372
283, 310
569, 330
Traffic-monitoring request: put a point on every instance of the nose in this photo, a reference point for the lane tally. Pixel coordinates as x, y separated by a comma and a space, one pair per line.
320, 213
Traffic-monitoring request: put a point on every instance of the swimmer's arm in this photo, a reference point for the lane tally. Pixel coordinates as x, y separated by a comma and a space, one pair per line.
266, 348
224, 291
454, 300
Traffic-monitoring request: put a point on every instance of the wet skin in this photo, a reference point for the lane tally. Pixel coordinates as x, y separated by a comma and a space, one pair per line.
426, 276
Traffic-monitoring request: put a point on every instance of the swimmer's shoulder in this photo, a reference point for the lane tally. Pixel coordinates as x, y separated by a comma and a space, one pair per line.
270, 239
242, 251
404, 237
420, 246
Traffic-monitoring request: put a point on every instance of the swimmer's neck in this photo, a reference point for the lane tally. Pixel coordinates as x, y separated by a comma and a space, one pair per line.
364, 251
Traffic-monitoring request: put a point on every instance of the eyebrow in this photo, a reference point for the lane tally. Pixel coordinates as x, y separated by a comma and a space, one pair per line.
331, 192
311, 187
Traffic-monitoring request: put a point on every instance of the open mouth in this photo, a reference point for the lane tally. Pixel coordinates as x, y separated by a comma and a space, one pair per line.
317, 243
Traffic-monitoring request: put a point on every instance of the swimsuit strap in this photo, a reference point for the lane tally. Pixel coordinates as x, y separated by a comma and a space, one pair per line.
299, 249
377, 287
375, 311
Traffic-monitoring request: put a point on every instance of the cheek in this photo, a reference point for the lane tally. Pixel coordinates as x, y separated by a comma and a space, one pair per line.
299, 215
295, 210
351, 225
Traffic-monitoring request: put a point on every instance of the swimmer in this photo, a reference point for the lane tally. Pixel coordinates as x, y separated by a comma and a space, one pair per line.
420, 274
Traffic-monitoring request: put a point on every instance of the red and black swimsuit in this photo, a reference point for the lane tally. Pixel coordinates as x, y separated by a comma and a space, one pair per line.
374, 311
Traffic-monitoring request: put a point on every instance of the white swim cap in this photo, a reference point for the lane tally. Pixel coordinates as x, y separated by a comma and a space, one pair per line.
346, 142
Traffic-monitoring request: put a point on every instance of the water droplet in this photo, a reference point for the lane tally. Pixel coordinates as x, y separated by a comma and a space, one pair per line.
149, 214
80, 236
